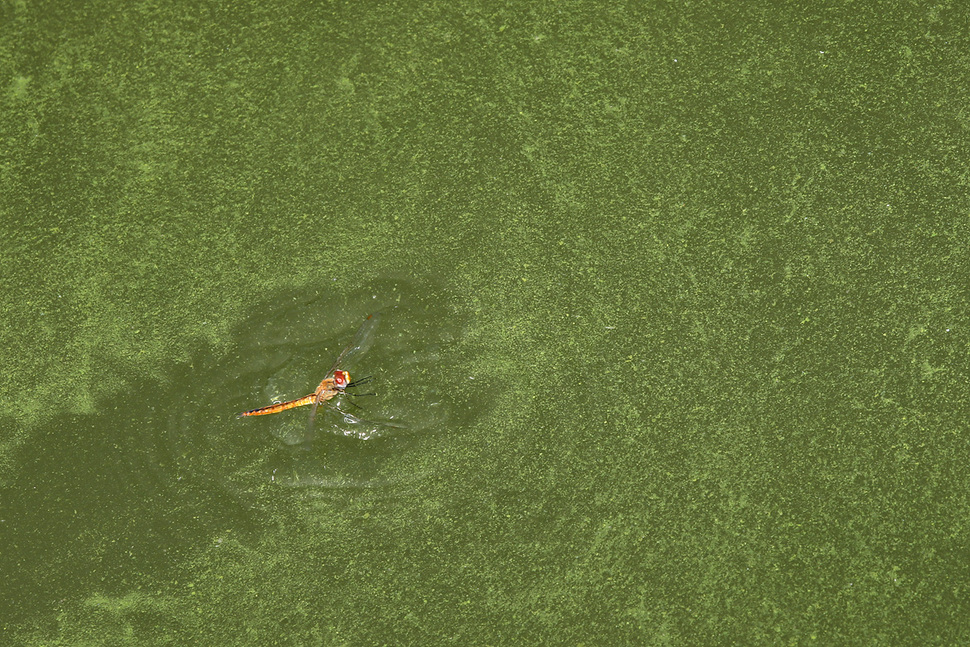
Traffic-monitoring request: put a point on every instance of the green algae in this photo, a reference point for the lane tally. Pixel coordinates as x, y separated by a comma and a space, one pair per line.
692, 302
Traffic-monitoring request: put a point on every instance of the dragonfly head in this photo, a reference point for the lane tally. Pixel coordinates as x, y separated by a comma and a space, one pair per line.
341, 379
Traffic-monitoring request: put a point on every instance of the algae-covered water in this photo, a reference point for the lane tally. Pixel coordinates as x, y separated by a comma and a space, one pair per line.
672, 323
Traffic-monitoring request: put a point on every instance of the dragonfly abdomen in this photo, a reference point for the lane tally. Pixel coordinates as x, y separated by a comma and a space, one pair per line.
280, 406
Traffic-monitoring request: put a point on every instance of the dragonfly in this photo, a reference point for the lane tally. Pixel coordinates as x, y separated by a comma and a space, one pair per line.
335, 383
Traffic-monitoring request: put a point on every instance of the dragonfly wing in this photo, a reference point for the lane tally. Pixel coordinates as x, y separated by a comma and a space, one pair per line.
361, 341
309, 427
365, 429
313, 415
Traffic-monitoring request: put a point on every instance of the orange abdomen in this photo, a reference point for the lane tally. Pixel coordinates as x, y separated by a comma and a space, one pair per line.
280, 406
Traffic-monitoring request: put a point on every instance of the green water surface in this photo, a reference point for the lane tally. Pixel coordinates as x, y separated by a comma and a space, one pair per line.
673, 333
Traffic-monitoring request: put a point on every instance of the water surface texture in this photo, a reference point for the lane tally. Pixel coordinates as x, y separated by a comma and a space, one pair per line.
672, 339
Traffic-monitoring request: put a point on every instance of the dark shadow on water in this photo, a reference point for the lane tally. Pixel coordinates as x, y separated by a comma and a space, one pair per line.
122, 498
91, 509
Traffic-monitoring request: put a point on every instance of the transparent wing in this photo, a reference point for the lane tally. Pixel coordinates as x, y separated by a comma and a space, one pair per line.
362, 340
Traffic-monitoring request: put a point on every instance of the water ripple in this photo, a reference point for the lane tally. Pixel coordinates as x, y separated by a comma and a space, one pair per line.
283, 350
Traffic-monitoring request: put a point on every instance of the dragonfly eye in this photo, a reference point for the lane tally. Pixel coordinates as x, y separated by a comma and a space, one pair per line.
341, 379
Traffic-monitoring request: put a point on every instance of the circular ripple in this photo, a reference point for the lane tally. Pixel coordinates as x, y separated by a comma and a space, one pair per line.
283, 351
